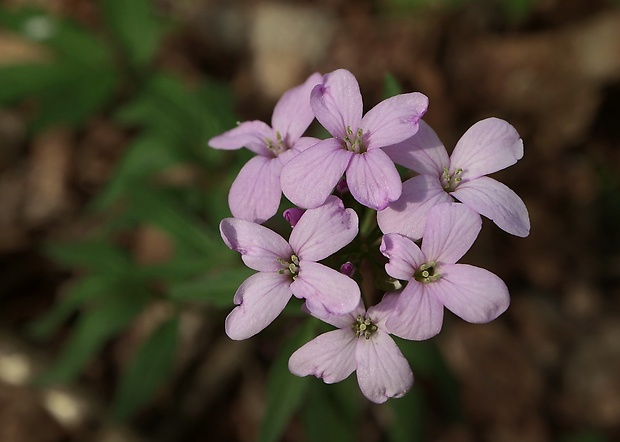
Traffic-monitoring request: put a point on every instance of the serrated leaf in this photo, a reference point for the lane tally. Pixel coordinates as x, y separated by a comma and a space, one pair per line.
94, 327
216, 288
285, 391
148, 370
136, 27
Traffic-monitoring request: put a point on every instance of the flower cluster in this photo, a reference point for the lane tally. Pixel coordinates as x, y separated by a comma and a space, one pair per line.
425, 226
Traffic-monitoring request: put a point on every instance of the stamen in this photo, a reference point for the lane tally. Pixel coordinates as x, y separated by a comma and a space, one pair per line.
426, 273
363, 327
289, 268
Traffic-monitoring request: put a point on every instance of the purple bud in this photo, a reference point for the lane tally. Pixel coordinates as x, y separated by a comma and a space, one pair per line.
347, 269
342, 187
293, 215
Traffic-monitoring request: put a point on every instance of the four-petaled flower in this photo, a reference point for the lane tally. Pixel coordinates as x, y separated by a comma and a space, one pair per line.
435, 280
255, 194
291, 268
361, 343
355, 149
486, 147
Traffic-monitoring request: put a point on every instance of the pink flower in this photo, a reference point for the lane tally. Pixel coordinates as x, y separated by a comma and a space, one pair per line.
488, 146
435, 280
255, 194
291, 268
362, 343
355, 149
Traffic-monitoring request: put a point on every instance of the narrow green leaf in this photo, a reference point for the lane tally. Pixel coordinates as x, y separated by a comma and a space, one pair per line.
81, 291
217, 287
285, 391
391, 86
410, 417
104, 257
95, 326
156, 207
323, 419
136, 26
150, 367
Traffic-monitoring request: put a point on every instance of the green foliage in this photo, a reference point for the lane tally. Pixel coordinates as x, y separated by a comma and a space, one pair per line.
285, 392
149, 368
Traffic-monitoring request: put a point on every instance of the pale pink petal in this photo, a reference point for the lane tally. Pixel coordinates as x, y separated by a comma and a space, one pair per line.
249, 134
404, 256
260, 299
323, 231
292, 114
394, 119
255, 194
488, 146
330, 356
380, 312
423, 153
373, 179
260, 247
340, 321
497, 202
382, 370
337, 103
451, 229
418, 314
304, 143
309, 178
325, 289
407, 215
474, 294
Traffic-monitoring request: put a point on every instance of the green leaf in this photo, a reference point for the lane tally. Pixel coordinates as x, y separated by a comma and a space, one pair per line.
410, 417
81, 291
104, 257
94, 327
69, 40
150, 367
136, 27
285, 391
158, 208
391, 86
323, 418
146, 155
216, 288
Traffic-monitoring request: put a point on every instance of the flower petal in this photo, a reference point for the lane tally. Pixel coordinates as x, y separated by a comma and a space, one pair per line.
249, 134
407, 215
497, 202
423, 153
260, 247
260, 299
330, 356
394, 119
292, 114
451, 229
379, 313
382, 370
326, 291
337, 103
373, 179
323, 231
417, 315
404, 256
309, 178
255, 194
474, 294
488, 146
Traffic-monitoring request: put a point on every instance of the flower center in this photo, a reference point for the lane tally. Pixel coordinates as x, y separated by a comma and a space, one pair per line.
354, 142
426, 273
289, 267
279, 146
450, 182
363, 327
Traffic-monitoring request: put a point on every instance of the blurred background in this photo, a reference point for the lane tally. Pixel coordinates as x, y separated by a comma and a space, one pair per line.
114, 282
